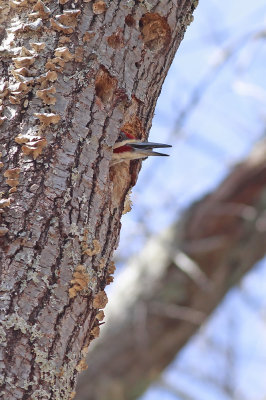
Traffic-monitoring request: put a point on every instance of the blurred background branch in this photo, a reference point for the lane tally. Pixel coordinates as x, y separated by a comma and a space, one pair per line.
157, 302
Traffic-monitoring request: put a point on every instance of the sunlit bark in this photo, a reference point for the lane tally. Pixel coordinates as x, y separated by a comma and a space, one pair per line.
72, 73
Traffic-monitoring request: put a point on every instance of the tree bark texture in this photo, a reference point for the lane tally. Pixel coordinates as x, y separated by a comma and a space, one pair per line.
72, 74
169, 290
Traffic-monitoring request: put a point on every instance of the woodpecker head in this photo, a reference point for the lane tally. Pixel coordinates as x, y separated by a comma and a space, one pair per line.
127, 148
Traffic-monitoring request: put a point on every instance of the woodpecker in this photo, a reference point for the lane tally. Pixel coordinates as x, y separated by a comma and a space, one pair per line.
128, 148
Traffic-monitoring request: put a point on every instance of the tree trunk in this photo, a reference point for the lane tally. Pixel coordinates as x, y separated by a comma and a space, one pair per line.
72, 74
164, 295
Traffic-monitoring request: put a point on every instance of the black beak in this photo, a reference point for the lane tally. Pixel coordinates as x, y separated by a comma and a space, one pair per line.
148, 145
146, 148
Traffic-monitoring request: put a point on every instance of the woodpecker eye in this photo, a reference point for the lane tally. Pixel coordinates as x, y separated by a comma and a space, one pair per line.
121, 137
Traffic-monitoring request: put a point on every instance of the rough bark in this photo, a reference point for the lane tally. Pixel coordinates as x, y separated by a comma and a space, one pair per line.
72, 74
164, 295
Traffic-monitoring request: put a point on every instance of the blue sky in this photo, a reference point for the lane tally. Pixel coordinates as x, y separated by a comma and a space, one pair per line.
219, 131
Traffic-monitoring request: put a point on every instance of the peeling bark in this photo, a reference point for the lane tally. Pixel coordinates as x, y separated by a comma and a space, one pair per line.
168, 291
72, 74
